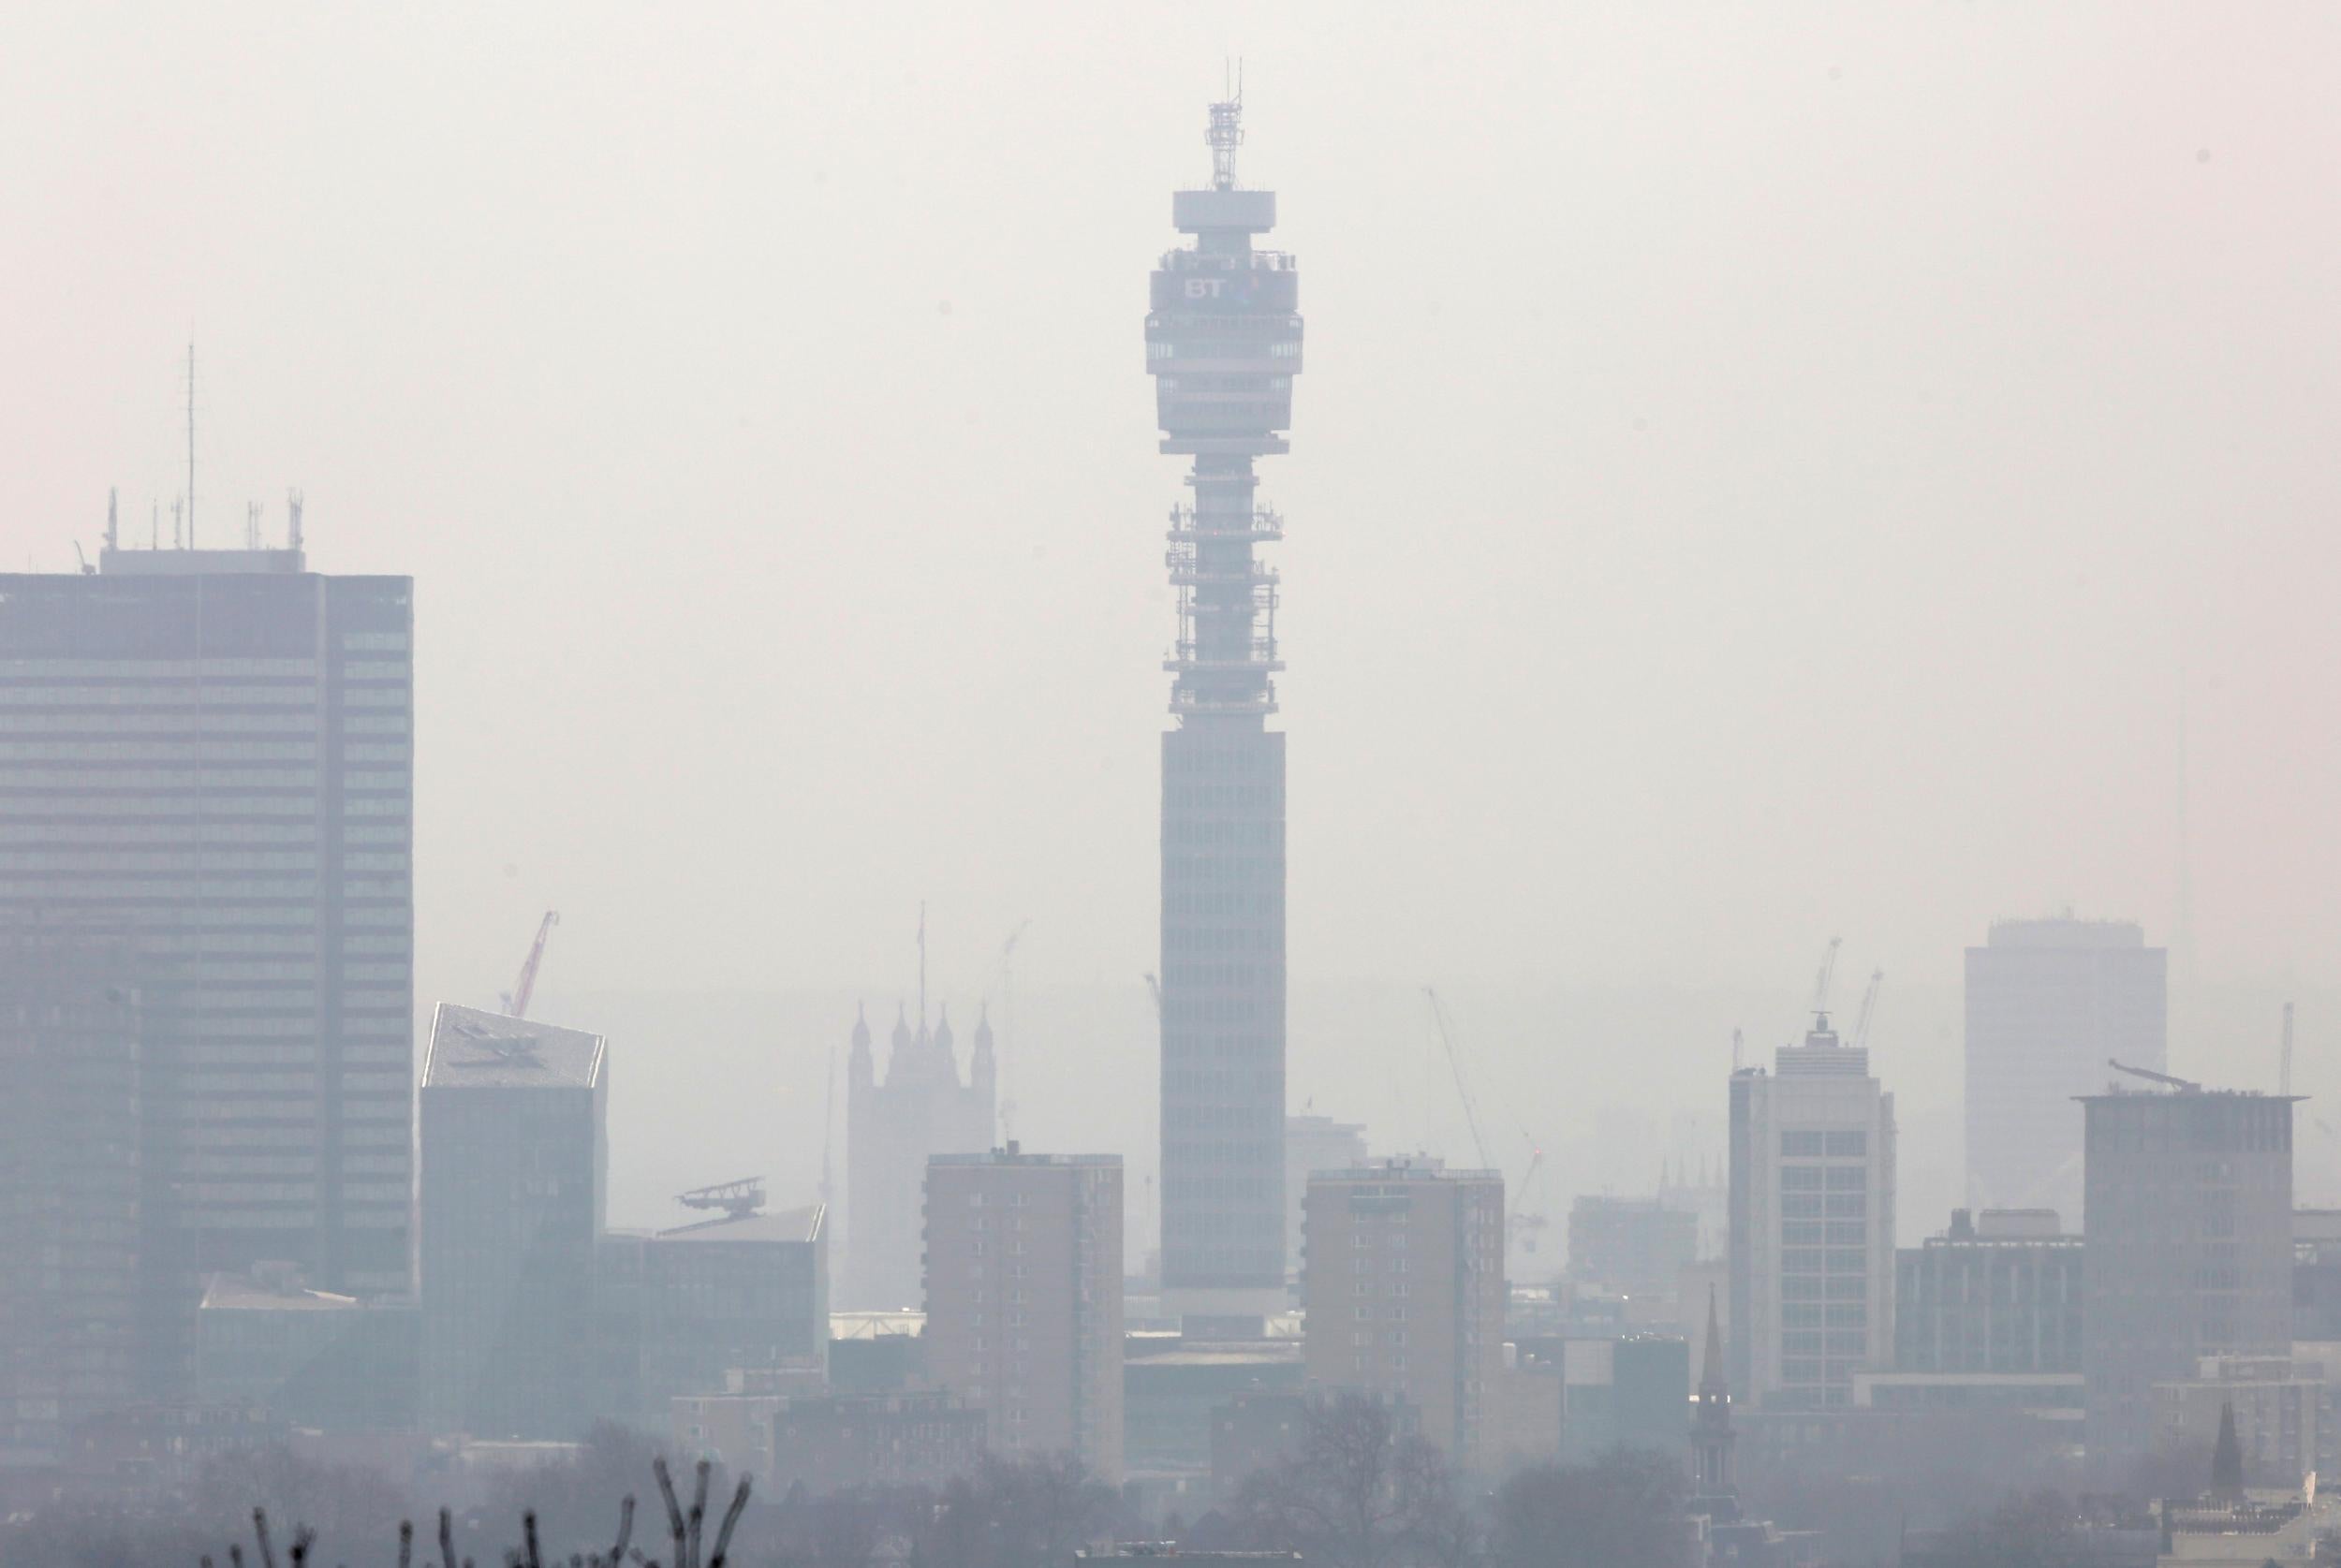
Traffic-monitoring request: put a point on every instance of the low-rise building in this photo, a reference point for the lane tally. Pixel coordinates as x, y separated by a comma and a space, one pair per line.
734, 1428
1171, 1383
1999, 1293
1628, 1392
2287, 1419
264, 1340
827, 1441
742, 1293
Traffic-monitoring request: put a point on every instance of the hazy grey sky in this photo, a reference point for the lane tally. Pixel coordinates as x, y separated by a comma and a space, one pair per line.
1760, 473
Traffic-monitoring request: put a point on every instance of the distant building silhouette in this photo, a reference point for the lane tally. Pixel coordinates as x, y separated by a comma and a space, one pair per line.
1635, 1246
894, 1125
1314, 1143
2047, 1003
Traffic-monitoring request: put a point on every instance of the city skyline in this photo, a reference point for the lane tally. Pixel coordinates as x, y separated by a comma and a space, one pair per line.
1765, 500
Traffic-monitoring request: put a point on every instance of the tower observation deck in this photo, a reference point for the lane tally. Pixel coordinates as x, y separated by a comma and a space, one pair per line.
1223, 344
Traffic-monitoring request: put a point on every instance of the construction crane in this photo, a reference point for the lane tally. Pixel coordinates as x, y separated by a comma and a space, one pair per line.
1462, 1084
2186, 1086
829, 1123
1521, 1228
1820, 986
1869, 1005
516, 1000
738, 1199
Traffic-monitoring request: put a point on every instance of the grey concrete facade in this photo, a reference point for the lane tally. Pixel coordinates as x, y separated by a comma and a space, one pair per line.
213, 750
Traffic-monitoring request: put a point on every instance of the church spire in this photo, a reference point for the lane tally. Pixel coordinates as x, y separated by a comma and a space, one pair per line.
1710, 1427
1711, 1368
2226, 1459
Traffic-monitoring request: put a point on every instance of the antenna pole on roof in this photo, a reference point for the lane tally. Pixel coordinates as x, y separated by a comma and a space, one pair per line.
190, 443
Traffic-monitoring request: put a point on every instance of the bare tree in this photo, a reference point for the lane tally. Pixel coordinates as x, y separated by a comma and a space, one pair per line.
1625, 1510
1358, 1495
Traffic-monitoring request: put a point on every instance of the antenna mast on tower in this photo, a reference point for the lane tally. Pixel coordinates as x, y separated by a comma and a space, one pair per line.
190, 444
2284, 1062
1226, 133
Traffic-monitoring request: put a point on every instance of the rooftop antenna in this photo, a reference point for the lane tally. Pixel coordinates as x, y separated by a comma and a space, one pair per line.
2284, 1062
112, 519
1226, 133
2185, 935
178, 514
293, 508
829, 1123
252, 525
1735, 1048
190, 443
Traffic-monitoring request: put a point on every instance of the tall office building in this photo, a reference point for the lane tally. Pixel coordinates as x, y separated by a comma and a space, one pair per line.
515, 1174
2047, 1002
71, 1288
1402, 1294
2187, 1247
1715, 1490
893, 1126
1223, 344
210, 750
1812, 1224
1024, 1299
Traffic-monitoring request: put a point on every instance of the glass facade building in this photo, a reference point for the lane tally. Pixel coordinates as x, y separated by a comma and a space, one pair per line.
514, 1176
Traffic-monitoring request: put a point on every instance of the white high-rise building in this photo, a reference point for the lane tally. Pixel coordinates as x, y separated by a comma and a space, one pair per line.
2047, 1002
1812, 1224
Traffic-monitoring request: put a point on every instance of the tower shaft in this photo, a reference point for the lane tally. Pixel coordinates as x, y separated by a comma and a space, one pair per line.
1223, 343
